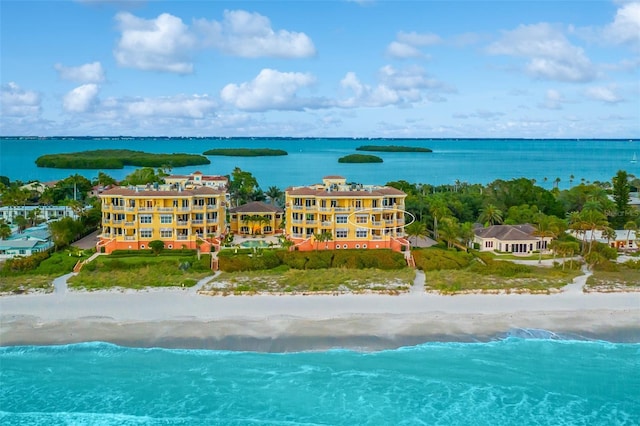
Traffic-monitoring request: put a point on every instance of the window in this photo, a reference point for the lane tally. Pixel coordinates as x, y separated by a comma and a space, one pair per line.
361, 218
146, 233
166, 233
361, 233
364, 246
244, 229
310, 203
358, 203
166, 218
357, 245
145, 218
341, 218
341, 233
267, 229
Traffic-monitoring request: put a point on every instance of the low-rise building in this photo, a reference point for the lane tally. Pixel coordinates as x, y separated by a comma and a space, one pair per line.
515, 239
44, 213
624, 240
30, 241
339, 215
256, 218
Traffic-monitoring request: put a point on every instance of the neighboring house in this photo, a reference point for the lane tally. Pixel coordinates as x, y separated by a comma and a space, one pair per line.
198, 179
46, 213
136, 215
356, 216
623, 241
255, 218
516, 239
31, 241
39, 187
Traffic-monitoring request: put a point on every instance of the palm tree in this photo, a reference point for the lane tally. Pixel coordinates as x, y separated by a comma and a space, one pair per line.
450, 230
323, 237
544, 228
274, 194
608, 233
630, 226
491, 215
5, 230
593, 220
417, 230
438, 209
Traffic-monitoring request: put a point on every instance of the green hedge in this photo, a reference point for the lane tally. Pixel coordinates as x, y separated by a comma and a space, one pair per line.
145, 252
325, 259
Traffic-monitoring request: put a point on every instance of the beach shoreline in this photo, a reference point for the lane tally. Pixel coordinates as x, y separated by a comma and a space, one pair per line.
179, 318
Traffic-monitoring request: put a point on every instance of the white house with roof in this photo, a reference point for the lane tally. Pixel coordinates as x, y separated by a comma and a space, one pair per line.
46, 213
625, 240
515, 239
198, 179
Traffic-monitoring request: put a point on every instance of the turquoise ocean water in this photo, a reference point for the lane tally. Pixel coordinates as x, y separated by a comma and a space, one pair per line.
309, 159
513, 381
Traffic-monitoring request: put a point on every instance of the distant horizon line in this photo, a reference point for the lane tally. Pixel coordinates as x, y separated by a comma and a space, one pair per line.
125, 137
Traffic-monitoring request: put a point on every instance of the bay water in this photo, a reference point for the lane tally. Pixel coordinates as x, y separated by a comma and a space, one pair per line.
510, 381
309, 159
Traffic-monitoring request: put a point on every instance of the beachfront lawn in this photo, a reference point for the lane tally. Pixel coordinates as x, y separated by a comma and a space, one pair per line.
140, 272
36, 273
319, 281
528, 280
27, 283
616, 277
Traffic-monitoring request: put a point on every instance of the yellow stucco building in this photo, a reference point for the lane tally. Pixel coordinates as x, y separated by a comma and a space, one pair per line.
355, 216
136, 215
256, 218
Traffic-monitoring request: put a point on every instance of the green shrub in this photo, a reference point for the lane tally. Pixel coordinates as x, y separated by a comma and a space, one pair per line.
437, 259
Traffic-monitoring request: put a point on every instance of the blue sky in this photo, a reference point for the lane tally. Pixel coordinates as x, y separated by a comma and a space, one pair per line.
539, 69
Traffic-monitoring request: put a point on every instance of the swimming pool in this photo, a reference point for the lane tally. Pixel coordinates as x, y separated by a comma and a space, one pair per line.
254, 243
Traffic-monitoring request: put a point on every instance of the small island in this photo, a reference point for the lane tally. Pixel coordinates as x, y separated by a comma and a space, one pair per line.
246, 152
360, 158
117, 159
392, 148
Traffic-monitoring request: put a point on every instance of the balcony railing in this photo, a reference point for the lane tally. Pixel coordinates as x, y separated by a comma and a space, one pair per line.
376, 223
294, 235
342, 209
129, 237
376, 237
296, 221
117, 222
117, 207
165, 209
311, 222
182, 237
145, 209
129, 224
197, 222
324, 209
327, 224
182, 222
297, 207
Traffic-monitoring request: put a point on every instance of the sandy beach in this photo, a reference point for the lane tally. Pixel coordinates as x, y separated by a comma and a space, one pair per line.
179, 318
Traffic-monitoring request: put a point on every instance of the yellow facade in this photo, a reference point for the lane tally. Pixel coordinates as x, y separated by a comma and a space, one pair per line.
181, 218
255, 218
355, 216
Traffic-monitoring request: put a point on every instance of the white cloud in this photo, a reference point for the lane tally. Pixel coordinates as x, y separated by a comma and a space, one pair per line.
271, 89
407, 45
551, 56
183, 106
604, 94
17, 102
402, 51
395, 87
418, 39
625, 28
87, 73
161, 44
250, 35
81, 99
552, 100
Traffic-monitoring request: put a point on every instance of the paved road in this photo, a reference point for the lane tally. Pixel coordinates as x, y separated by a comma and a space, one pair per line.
87, 242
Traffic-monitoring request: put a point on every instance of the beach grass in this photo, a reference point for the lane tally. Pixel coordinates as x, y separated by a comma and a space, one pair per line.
137, 273
27, 283
620, 277
529, 280
319, 281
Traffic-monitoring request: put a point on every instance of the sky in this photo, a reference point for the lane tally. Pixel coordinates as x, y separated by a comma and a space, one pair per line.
332, 68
